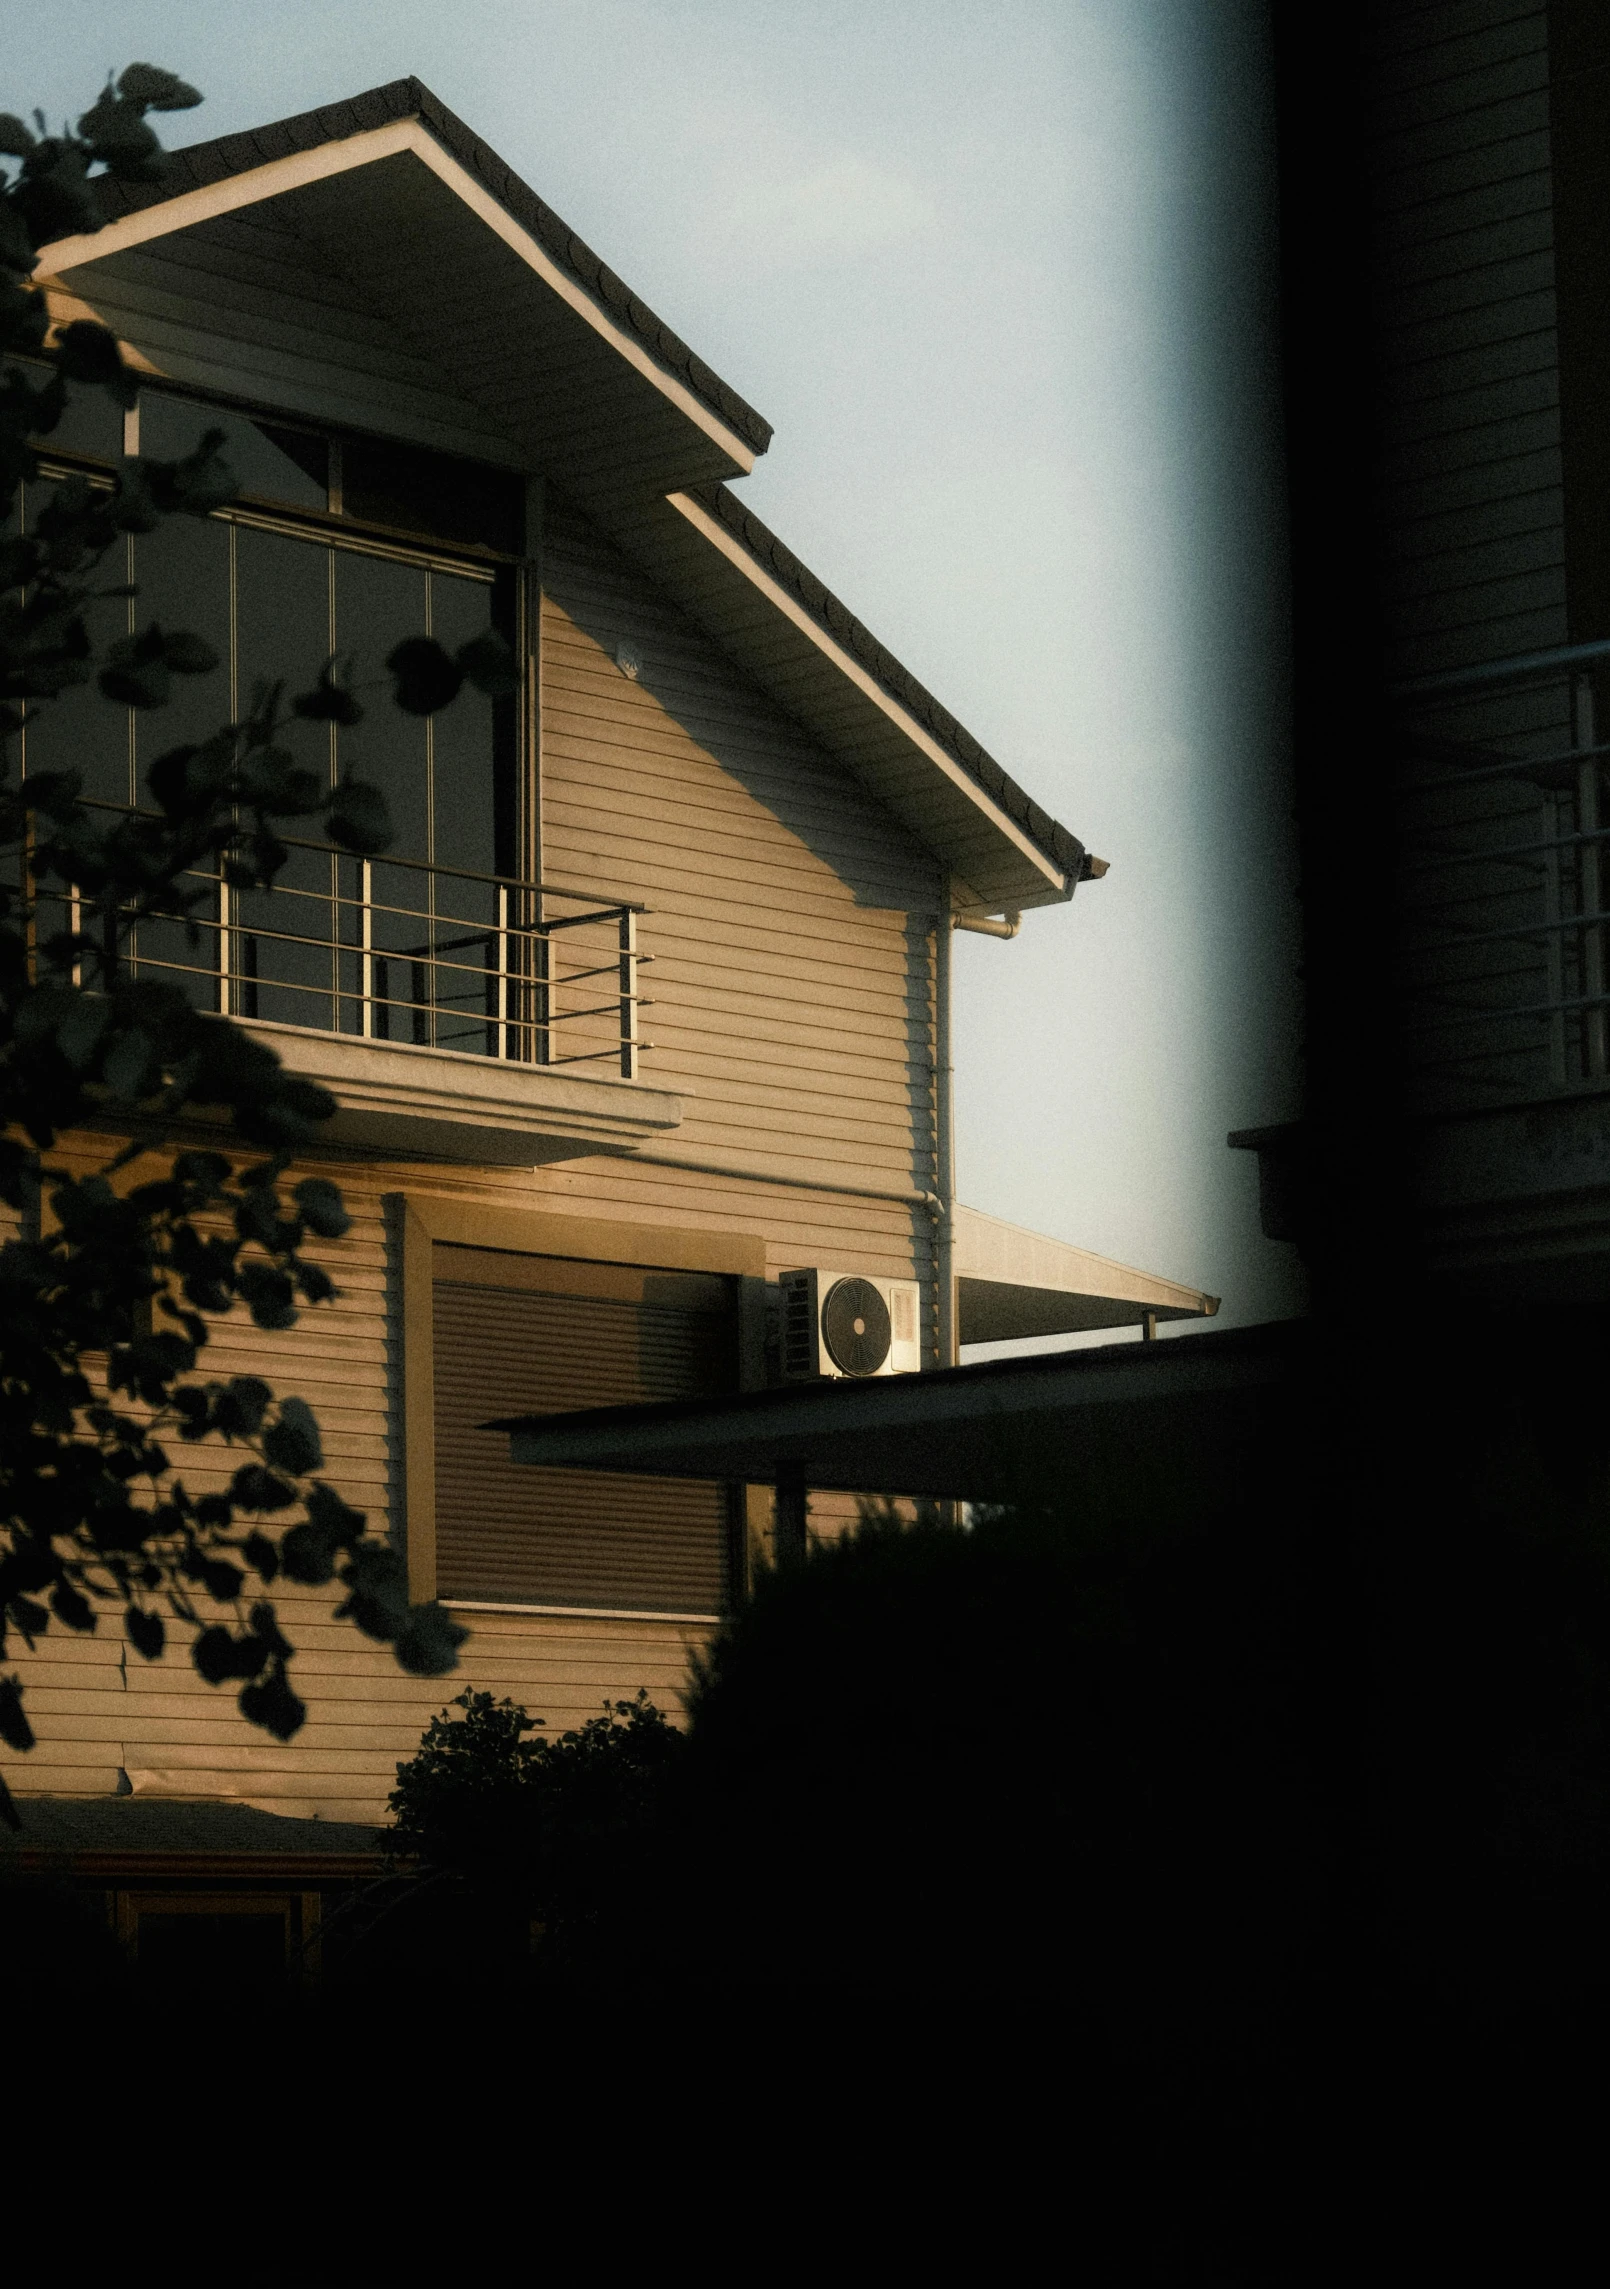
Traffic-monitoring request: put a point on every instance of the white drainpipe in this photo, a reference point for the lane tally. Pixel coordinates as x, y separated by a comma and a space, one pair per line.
945, 1142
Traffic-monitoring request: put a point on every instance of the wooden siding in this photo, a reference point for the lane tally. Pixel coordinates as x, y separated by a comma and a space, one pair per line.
792, 929
1471, 505
101, 1712
792, 926
790, 919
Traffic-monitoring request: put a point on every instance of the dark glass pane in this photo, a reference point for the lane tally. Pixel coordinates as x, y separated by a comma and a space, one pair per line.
431, 493
92, 423
282, 588
163, 950
462, 790
272, 463
54, 919
378, 603
285, 953
354, 971
181, 575
464, 772
82, 731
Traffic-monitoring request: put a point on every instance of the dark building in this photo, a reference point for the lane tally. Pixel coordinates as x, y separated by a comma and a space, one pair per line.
1445, 197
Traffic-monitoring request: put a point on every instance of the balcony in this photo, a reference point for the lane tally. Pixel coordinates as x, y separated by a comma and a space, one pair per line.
1504, 809
455, 1015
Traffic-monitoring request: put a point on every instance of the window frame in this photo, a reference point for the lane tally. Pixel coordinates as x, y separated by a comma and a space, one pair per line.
416, 1224
336, 527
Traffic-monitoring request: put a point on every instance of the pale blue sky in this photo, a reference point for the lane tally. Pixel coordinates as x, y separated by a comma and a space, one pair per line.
999, 274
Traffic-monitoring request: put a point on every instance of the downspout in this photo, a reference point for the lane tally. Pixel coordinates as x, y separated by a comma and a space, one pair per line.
945, 1140
987, 925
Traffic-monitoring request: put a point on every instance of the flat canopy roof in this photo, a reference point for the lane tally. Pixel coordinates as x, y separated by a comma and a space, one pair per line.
976, 1433
1012, 1283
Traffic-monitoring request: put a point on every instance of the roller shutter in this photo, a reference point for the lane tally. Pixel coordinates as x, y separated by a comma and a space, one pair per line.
538, 1334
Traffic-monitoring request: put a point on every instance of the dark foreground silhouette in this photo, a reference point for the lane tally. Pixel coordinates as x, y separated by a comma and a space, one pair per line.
1213, 1827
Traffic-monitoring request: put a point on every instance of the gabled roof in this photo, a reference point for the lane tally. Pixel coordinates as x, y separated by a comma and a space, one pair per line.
558, 367
203, 164
765, 547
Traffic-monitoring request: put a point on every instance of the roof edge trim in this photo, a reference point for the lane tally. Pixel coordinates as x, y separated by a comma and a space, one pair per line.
425, 128
712, 529
775, 557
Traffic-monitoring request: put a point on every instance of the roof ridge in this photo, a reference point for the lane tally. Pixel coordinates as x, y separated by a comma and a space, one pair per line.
196, 165
831, 613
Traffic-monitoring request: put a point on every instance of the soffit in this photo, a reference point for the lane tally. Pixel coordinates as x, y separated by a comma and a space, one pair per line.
393, 221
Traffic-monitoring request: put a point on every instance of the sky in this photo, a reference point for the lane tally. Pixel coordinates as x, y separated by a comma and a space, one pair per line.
1000, 273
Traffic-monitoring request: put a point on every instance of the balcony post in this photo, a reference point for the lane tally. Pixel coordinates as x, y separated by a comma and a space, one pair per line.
1590, 881
503, 951
366, 942
628, 994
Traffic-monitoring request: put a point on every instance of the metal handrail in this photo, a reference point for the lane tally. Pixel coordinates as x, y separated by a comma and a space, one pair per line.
1518, 667
391, 858
1519, 903
514, 1003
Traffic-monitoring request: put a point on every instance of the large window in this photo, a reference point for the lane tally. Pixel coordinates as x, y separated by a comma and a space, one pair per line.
337, 547
516, 1333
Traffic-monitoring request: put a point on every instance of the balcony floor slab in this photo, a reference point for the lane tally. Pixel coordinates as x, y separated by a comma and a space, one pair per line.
445, 1104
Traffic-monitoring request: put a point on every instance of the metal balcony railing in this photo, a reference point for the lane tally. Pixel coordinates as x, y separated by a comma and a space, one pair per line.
1503, 885
394, 949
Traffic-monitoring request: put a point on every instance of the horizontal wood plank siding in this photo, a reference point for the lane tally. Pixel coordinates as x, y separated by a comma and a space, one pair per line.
1471, 508
791, 920
101, 1712
792, 928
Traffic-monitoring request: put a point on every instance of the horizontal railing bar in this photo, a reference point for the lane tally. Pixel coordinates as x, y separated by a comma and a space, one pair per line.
342, 996
1531, 1010
1446, 1064
418, 865
1511, 850
527, 932
603, 970
1519, 667
1557, 759
388, 1000
506, 997
597, 914
437, 959
1513, 855
481, 975
1520, 930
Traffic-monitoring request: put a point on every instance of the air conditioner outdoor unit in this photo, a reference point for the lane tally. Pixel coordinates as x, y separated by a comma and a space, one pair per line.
840, 1323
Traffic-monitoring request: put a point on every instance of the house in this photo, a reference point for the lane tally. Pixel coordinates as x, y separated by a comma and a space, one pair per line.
646, 1004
